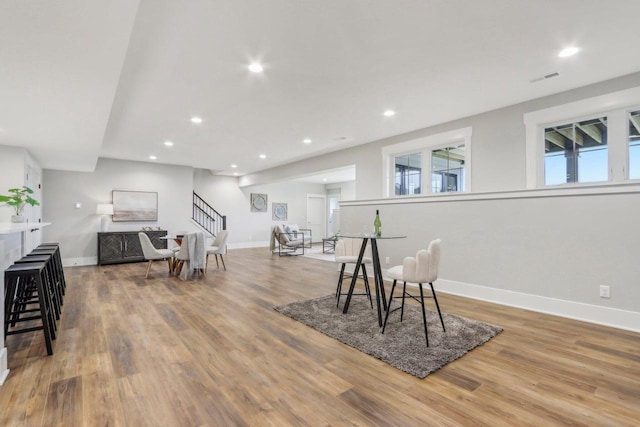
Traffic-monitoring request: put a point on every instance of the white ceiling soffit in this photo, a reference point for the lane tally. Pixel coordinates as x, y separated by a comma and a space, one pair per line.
61, 62
331, 176
331, 68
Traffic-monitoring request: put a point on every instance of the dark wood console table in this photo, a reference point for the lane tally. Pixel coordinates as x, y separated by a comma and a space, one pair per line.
118, 247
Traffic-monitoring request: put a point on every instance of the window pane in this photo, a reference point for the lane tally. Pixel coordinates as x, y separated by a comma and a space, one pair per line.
408, 174
634, 145
576, 152
447, 169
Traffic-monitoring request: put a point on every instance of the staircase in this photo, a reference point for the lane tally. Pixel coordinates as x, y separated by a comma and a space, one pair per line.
207, 217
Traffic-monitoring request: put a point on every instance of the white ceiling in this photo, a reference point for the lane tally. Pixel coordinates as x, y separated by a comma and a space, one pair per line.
86, 79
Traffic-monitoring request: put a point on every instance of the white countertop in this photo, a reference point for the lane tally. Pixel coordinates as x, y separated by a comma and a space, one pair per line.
17, 227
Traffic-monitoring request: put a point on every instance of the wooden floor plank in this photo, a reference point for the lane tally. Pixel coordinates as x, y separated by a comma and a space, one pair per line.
212, 351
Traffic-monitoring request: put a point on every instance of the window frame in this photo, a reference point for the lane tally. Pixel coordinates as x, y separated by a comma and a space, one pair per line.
574, 122
615, 106
425, 146
628, 143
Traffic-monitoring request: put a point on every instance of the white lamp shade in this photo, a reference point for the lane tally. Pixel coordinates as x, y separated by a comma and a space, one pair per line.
104, 209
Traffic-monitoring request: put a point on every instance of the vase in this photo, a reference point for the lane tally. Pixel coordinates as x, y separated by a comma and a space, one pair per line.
18, 218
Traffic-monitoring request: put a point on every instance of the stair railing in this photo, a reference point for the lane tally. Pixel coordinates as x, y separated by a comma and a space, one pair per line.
207, 217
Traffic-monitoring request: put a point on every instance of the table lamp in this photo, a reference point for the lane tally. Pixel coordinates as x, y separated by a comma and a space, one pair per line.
104, 209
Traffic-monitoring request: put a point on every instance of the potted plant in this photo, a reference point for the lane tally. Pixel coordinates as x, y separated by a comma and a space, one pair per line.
17, 200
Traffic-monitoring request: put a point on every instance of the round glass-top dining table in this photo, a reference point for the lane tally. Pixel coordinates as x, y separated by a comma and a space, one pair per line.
381, 299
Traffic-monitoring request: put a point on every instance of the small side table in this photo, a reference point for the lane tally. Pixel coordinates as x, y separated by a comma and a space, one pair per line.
329, 245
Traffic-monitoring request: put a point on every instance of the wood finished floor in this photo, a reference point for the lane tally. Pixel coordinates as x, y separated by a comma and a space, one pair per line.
213, 352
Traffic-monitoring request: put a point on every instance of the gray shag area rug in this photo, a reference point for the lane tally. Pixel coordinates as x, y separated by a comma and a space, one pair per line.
403, 343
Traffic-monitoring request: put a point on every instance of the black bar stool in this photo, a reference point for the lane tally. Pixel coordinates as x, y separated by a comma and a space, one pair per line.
55, 287
55, 252
26, 285
57, 275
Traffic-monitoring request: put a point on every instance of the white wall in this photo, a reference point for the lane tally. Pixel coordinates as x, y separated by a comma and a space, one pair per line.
248, 228
12, 168
76, 229
545, 253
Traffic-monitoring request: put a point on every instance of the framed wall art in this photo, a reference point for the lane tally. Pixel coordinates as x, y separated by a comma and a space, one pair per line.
134, 206
279, 211
258, 202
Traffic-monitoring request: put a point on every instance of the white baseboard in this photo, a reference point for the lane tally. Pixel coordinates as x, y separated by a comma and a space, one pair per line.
244, 245
622, 319
4, 372
75, 262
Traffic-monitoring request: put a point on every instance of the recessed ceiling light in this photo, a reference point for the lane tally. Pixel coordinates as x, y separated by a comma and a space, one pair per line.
196, 120
234, 166
307, 141
569, 51
263, 156
168, 143
389, 113
152, 157
324, 179
256, 68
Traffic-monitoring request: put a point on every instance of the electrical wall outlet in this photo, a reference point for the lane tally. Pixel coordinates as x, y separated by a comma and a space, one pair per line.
605, 291
387, 260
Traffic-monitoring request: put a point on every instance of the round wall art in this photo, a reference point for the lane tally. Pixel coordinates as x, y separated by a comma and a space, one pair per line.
258, 202
279, 211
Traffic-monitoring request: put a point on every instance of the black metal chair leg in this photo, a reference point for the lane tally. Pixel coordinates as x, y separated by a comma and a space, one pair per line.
339, 288
437, 306
424, 314
404, 293
386, 316
366, 284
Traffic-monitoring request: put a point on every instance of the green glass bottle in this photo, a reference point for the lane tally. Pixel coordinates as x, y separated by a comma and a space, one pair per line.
378, 224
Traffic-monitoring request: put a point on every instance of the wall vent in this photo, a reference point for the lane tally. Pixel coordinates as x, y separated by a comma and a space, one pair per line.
547, 76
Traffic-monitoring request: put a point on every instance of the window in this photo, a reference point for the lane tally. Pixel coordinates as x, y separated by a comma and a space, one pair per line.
576, 152
447, 169
594, 140
634, 145
408, 174
434, 164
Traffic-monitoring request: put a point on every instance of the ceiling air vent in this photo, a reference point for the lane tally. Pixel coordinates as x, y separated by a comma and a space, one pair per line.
548, 76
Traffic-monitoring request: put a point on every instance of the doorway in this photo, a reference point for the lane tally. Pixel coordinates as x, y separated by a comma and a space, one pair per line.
333, 223
316, 216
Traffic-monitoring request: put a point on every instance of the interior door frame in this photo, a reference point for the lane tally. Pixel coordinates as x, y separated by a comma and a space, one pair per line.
324, 215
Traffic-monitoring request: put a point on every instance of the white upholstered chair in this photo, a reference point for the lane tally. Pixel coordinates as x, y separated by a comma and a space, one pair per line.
346, 252
218, 247
421, 269
151, 253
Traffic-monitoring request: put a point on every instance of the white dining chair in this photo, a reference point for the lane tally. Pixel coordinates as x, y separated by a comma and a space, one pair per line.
151, 253
218, 247
346, 252
421, 269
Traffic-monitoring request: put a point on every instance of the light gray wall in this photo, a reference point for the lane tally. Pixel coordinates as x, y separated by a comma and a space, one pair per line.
248, 228
554, 247
76, 229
